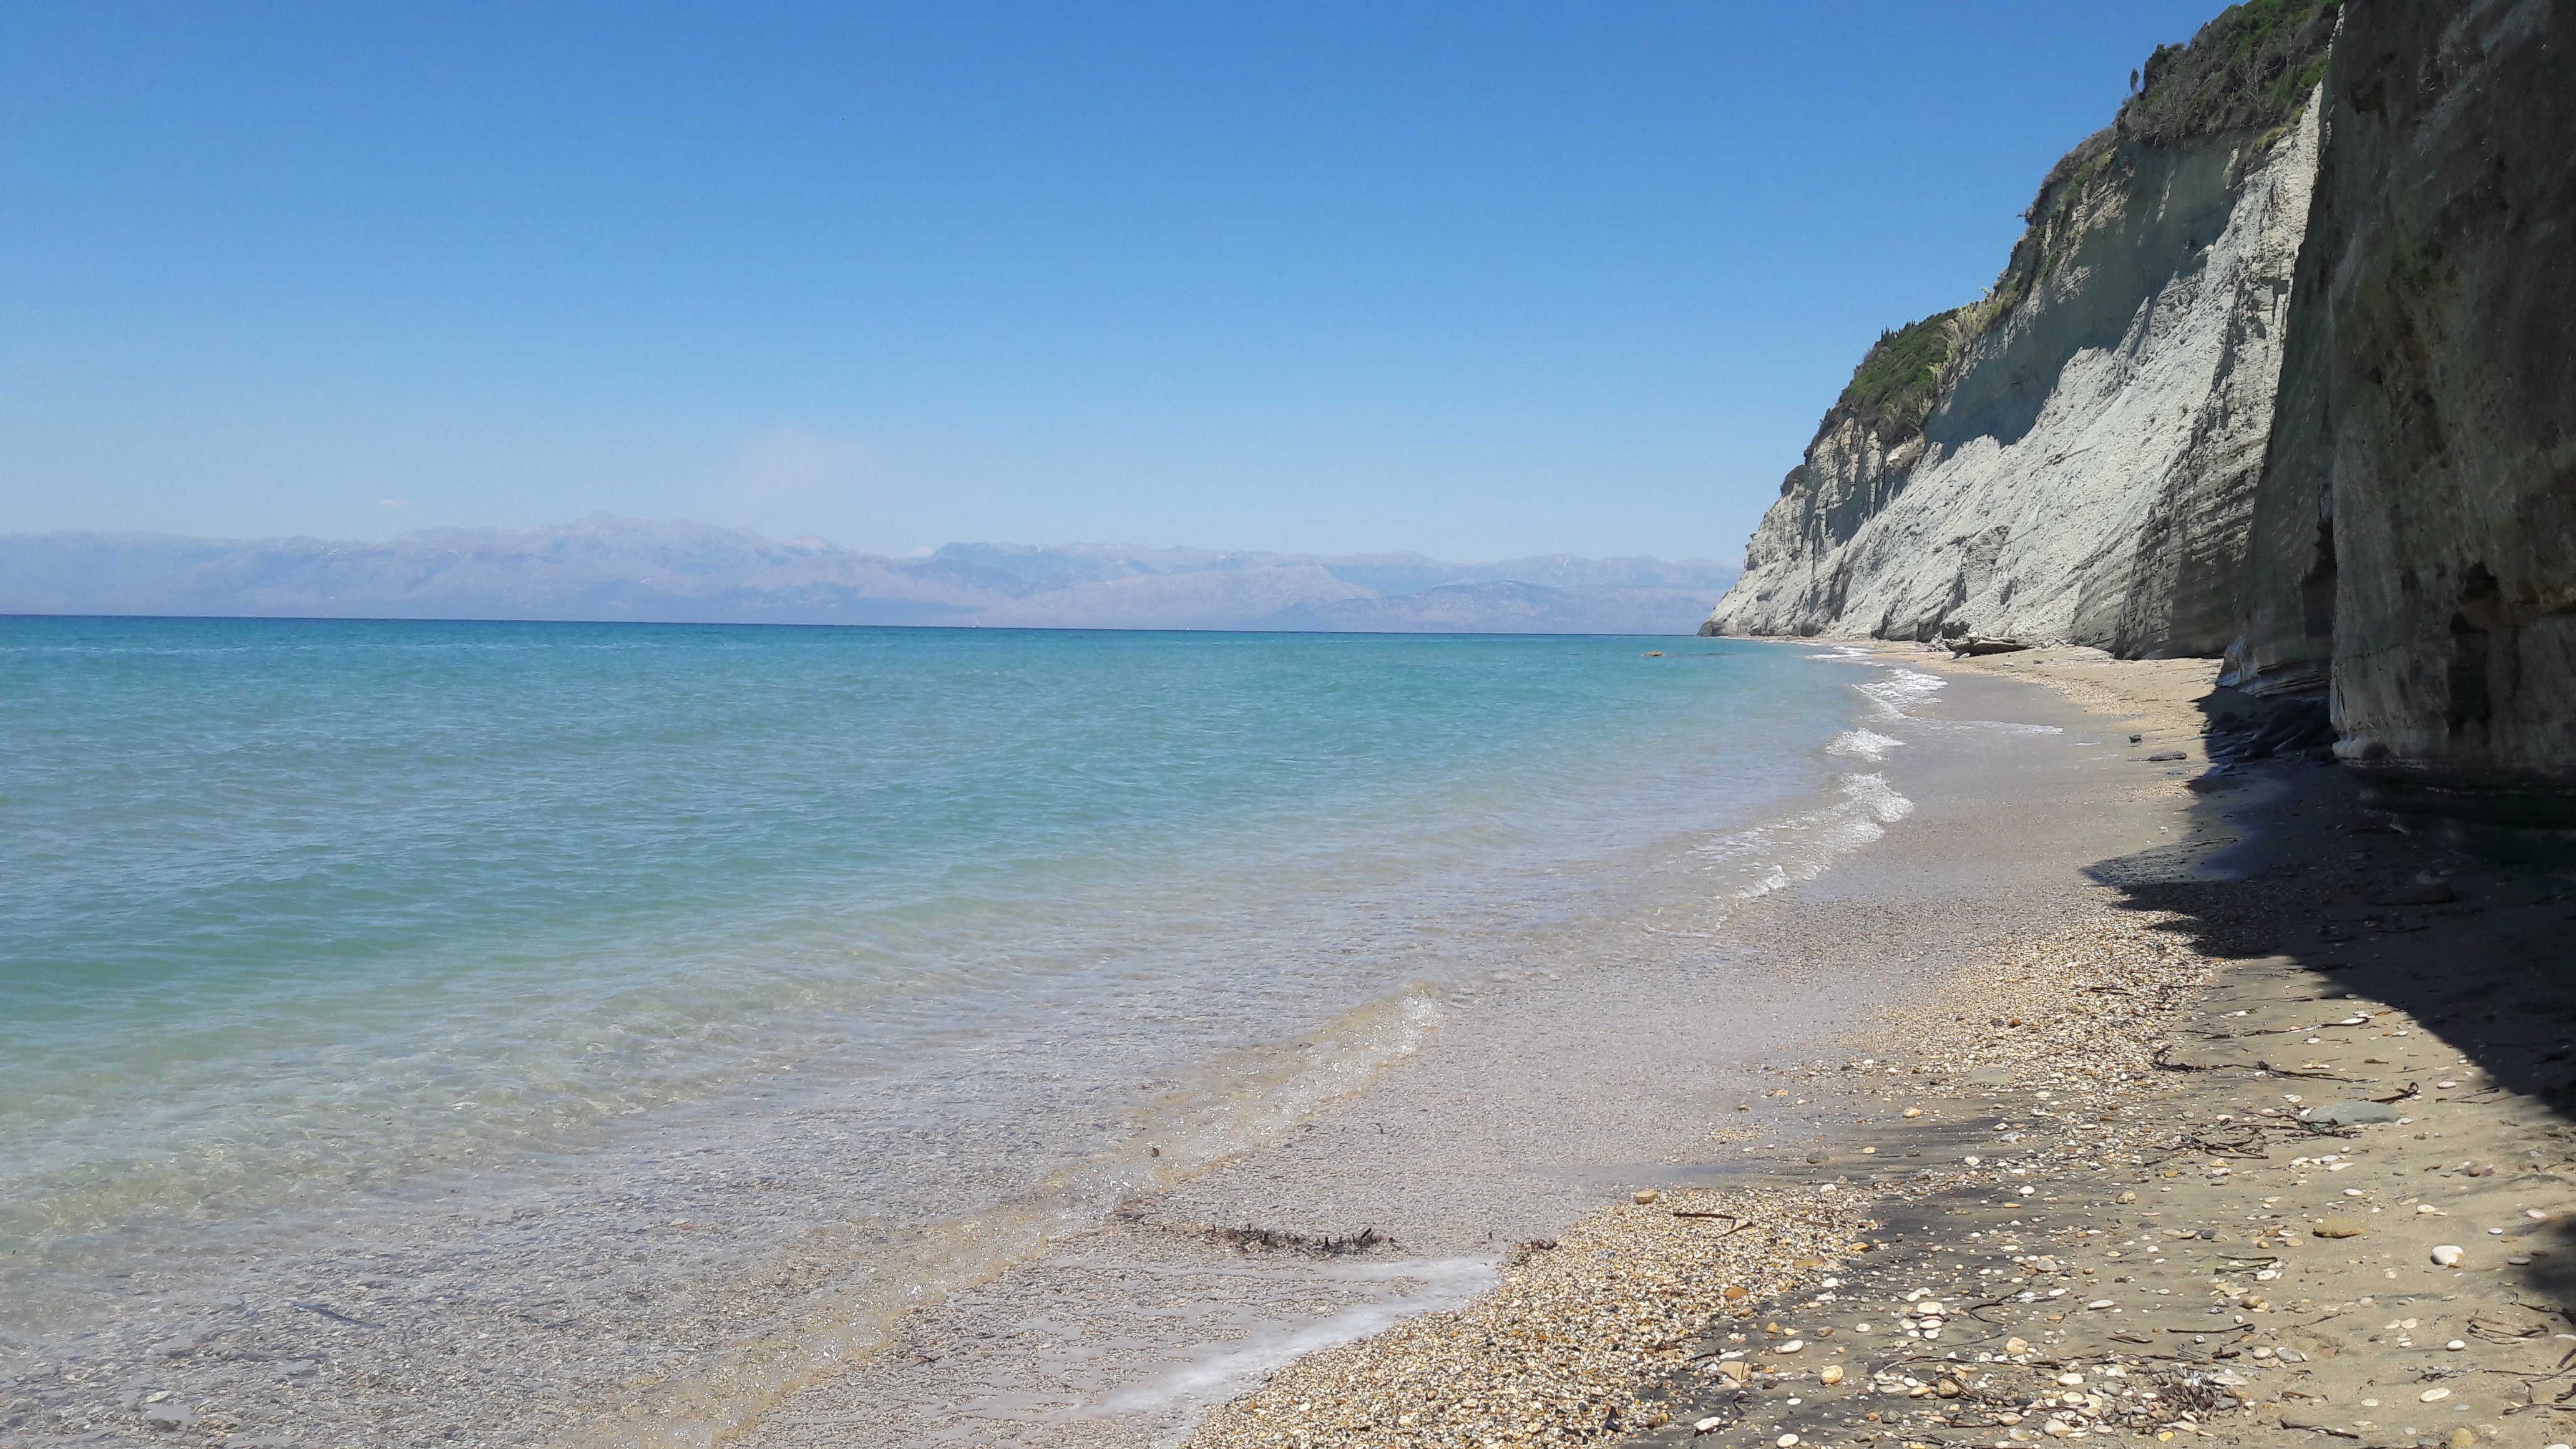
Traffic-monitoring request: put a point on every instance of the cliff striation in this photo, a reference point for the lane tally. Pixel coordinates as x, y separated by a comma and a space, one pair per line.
2073, 458
2285, 368
2413, 540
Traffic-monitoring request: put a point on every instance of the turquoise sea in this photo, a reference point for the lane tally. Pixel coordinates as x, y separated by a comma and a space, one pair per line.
306, 923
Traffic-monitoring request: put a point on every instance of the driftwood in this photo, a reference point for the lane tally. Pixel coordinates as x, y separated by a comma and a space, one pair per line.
1960, 648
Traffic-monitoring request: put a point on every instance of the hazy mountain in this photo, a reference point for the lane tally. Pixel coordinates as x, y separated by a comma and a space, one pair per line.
611, 568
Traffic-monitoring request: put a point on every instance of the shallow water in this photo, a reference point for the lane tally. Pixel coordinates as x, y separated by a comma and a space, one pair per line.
311, 927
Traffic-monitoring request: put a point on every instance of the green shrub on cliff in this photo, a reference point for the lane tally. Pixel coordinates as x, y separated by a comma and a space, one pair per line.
2251, 69
1893, 388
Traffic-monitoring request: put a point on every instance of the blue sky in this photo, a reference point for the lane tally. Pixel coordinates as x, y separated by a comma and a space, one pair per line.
1481, 280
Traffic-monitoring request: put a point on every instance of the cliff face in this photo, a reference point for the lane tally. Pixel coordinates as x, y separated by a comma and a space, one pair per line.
2302, 391
2073, 458
2086, 466
2414, 535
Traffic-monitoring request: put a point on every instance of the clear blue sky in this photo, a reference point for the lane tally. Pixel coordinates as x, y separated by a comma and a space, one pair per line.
1478, 279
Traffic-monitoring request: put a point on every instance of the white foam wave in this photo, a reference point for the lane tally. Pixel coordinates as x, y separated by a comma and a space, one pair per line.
1900, 688
1768, 857
1446, 1283
1862, 744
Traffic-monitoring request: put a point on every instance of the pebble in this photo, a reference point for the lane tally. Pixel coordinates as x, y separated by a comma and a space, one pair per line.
1647, 1194
2448, 1255
2337, 1228
2433, 1396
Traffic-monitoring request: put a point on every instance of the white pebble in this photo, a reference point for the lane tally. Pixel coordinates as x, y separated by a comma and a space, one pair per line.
2448, 1255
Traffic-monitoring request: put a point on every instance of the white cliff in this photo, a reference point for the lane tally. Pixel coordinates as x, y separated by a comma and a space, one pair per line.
2095, 432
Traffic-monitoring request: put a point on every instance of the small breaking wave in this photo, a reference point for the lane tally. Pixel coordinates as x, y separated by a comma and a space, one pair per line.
1769, 857
1900, 688
1862, 744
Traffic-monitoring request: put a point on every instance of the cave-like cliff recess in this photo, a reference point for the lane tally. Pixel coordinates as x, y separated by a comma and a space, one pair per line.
2284, 367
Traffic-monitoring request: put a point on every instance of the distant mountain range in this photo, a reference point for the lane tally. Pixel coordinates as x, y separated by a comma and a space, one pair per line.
605, 567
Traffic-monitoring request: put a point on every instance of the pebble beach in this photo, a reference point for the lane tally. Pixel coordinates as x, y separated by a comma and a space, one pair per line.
2262, 1143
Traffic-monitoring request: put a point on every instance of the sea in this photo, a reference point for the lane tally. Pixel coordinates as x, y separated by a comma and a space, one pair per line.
350, 969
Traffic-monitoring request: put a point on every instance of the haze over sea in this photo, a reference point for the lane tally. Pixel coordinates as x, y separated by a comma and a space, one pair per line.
317, 929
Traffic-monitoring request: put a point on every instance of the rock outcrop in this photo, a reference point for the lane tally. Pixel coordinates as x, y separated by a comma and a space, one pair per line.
2286, 368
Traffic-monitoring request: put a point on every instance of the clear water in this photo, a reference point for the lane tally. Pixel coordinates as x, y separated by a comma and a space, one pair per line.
301, 919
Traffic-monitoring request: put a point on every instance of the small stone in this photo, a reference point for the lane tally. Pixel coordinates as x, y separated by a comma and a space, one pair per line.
1830, 1374
2455, 1345
1647, 1194
1814, 1157
2291, 1355
2483, 1169
2464, 1438
2433, 1396
1707, 1426
1947, 1388
1785, 1440
2099, 1303
2016, 1345
2070, 1380
2448, 1255
1795, 1345
1913, 1111
2337, 1228
2127, 1197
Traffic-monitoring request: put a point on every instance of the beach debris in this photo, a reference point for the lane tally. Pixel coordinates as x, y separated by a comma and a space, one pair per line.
1249, 1237
1973, 646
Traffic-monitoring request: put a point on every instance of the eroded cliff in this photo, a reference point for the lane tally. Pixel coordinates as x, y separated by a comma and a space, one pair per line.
2413, 541
2073, 458
2285, 367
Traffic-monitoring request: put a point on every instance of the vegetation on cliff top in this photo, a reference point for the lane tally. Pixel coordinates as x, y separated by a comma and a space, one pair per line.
2250, 69
1893, 388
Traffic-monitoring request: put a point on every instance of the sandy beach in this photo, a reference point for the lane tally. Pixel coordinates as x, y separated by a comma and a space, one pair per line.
2252, 1131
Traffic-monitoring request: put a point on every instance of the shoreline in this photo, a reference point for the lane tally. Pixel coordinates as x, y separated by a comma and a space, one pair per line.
2131, 1127
1520, 1115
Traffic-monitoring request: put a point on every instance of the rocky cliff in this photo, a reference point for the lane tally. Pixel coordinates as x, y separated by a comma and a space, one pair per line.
2413, 539
2073, 458
2285, 367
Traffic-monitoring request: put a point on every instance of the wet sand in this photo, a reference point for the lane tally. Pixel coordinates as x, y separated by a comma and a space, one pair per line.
2081, 1184
1564, 1089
